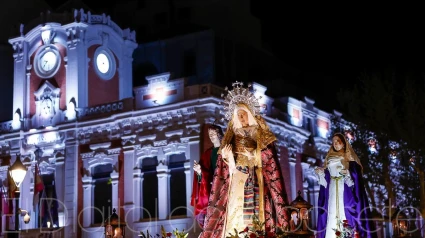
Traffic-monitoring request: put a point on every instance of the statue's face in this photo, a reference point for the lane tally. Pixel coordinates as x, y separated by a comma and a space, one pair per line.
337, 143
243, 117
214, 136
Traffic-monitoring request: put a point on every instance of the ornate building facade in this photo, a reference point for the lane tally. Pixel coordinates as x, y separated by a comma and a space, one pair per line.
102, 143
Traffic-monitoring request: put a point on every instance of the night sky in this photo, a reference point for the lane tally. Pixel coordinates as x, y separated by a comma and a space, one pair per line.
331, 45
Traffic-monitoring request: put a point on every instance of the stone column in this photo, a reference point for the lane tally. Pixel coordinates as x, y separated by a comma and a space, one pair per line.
77, 65
125, 70
192, 153
60, 185
88, 190
163, 186
314, 196
20, 82
292, 163
138, 194
115, 198
130, 198
305, 170
187, 172
71, 188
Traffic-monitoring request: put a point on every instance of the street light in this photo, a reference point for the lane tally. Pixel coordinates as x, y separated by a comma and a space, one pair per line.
17, 172
300, 218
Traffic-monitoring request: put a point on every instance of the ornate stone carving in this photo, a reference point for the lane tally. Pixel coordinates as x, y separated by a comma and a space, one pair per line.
46, 138
6, 127
128, 140
160, 143
175, 148
18, 49
87, 155
114, 107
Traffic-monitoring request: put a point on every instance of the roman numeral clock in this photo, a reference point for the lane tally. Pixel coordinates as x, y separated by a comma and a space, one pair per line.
47, 61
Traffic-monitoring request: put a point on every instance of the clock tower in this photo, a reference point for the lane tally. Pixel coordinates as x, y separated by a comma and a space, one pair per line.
75, 62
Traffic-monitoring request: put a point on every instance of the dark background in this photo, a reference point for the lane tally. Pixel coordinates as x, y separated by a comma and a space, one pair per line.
330, 45
333, 44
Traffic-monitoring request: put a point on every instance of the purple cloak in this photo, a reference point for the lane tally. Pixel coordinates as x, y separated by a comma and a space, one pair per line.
356, 205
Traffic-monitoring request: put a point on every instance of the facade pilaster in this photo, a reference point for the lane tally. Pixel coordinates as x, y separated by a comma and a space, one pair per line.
130, 200
88, 190
114, 182
163, 186
71, 188
187, 173
20, 88
60, 185
138, 194
77, 65
292, 157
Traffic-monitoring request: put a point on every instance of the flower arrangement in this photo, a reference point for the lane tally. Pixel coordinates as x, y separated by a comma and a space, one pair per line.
346, 230
165, 234
257, 230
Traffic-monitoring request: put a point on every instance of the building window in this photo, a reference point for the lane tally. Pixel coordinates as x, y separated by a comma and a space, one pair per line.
48, 203
150, 188
322, 128
177, 185
102, 192
189, 63
307, 123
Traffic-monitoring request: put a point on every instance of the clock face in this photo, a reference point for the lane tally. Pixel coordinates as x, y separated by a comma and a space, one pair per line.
47, 62
102, 63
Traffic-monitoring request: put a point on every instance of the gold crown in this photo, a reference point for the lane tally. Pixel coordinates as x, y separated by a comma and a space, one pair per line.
239, 95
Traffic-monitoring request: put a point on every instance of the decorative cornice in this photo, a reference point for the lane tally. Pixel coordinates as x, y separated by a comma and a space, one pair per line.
322, 145
87, 155
288, 135
128, 140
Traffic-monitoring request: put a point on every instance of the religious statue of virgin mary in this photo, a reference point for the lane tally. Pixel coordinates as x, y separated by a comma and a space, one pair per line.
248, 180
342, 195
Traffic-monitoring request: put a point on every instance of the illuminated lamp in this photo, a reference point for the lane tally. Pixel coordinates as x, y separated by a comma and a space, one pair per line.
114, 226
300, 222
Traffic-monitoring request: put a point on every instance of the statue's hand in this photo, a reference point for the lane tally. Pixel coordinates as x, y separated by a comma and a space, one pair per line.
319, 170
226, 151
197, 168
227, 154
343, 172
247, 154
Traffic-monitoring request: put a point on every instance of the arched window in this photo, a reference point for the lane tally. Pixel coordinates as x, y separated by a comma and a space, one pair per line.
102, 192
150, 188
48, 203
177, 185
